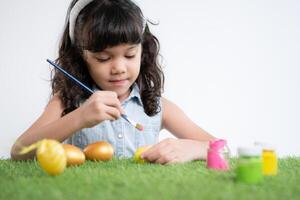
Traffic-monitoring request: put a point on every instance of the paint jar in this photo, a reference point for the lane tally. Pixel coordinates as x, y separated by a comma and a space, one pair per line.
269, 158
218, 155
249, 165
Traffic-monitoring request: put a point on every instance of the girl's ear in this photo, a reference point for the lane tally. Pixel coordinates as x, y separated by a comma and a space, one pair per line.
85, 54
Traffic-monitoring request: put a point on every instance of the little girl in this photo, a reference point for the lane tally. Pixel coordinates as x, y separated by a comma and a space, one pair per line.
108, 46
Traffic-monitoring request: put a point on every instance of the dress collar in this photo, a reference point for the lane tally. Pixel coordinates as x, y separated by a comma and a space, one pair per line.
134, 94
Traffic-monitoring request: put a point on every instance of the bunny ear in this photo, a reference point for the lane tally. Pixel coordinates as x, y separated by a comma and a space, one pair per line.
80, 4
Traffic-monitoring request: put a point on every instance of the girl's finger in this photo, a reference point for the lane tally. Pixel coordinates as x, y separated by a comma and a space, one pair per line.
113, 112
154, 148
160, 160
113, 102
166, 158
173, 161
151, 154
159, 154
107, 116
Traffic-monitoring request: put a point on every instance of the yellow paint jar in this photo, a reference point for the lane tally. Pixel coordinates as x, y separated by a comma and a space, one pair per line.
269, 157
270, 166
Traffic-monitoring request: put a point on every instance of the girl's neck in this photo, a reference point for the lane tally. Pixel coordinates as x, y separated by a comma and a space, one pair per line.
124, 96
121, 97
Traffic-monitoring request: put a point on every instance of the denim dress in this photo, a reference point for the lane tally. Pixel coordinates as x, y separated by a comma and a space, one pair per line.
124, 138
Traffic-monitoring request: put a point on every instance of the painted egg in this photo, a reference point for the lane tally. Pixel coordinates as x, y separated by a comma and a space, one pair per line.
99, 151
74, 155
137, 155
51, 156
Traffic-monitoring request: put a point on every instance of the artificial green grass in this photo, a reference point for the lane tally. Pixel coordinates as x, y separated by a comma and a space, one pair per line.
124, 179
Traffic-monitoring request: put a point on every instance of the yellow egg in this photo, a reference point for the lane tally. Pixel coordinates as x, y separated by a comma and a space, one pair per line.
138, 152
99, 151
74, 155
51, 156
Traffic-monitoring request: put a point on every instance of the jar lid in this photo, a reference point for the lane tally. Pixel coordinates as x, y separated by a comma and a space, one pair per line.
249, 151
265, 146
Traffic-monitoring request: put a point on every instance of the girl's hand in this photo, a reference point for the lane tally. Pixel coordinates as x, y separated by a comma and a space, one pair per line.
171, 151
102, 105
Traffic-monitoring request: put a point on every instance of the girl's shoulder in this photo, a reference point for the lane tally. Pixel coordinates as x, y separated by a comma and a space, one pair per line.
54, 108
55, 102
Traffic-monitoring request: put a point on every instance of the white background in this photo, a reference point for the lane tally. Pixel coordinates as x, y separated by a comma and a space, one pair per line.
232, 66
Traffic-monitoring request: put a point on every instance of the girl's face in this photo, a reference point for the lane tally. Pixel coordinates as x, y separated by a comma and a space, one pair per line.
116, 68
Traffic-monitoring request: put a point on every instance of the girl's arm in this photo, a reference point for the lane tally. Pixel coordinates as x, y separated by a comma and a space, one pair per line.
191, 145
49, 125
102, 105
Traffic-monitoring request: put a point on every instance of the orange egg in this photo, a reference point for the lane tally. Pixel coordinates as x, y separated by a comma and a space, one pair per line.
74, 155
99, 151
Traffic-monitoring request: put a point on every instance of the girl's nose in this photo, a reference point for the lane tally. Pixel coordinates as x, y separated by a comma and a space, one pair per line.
118, 66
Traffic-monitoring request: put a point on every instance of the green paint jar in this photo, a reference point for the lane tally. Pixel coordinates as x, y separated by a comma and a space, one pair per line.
249, 165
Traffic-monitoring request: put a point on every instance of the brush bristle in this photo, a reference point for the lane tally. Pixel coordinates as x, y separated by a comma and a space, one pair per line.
139, 127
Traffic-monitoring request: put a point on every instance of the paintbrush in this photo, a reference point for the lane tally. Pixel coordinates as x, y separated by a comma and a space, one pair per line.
83, 86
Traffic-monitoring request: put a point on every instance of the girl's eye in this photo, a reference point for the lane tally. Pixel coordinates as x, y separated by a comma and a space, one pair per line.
131, 56
102, 59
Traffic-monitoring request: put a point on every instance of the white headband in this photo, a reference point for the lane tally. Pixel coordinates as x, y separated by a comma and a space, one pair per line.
80, 4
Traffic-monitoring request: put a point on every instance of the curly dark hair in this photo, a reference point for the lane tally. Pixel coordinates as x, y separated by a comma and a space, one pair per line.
102, 24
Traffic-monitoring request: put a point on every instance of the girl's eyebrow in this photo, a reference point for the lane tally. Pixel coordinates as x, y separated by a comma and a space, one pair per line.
129, 48
132, 47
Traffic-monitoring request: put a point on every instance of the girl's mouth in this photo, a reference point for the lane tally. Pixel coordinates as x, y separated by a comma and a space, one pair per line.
118, 82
